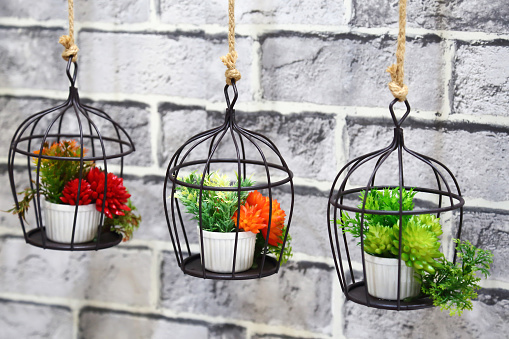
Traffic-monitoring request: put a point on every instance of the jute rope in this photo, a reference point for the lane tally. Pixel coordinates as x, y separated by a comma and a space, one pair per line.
230, 59
397, 87
68, 40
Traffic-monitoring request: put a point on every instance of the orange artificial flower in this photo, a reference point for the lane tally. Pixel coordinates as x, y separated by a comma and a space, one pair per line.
250, 219
260, 206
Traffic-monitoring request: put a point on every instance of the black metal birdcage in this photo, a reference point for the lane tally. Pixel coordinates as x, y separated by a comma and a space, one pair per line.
250, 153
69, 120
443, 196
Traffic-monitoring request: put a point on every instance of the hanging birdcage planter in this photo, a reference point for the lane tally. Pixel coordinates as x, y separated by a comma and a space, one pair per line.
385, 233
220, 190
76, 205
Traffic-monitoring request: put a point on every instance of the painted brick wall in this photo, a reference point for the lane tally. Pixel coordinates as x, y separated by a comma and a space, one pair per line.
314, 81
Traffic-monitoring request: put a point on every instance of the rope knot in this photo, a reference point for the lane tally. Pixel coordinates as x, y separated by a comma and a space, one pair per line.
70, 48
232, 72
398, 89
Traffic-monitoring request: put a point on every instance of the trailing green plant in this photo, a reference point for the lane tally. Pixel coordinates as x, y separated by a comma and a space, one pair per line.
217, 207
273, 249
124, 224
453, 286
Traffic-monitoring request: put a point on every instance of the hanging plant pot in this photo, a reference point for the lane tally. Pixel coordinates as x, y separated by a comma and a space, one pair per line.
59, 221
382, 278
219, 249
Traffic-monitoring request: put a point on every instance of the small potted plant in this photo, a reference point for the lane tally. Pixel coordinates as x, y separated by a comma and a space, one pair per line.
426, 271
219, 223
59, 183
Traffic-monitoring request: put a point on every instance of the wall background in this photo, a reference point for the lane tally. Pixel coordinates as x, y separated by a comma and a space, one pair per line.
313, 81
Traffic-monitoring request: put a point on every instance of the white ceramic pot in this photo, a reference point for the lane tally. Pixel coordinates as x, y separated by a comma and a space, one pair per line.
59, 219
219, 249
382, 278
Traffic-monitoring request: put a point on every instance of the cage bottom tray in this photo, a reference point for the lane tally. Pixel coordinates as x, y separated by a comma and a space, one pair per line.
192, 266
357, 293
108, 239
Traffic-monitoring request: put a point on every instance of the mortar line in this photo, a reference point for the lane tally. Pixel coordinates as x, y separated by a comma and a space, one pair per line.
256, 71
154, 13
348, 14
256, 30
448, 57
338, 302
155, 133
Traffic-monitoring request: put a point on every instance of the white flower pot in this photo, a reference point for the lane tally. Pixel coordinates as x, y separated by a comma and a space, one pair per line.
59, 219
382, 278
219, 249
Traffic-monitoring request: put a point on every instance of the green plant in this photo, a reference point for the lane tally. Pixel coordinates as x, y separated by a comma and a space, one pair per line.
378, 200
124, 224
217, 207
453, 286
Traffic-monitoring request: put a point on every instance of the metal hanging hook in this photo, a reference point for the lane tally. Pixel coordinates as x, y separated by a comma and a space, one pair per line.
400, 122
72, 78
227, 97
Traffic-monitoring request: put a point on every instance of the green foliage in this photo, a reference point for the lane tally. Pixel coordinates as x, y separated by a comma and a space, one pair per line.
378, 200
453, 286
24, 204
55, 174
276, 250
124, 224
218, 207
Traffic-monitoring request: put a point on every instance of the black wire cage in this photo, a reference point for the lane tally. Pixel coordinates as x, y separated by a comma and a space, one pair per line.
231, 149
71, 120
440, 192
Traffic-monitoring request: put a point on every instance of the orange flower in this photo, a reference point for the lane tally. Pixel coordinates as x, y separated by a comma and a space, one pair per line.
250, 219
260, 206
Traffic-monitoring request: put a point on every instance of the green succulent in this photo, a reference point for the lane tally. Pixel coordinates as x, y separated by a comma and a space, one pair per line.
378, 241
420, 244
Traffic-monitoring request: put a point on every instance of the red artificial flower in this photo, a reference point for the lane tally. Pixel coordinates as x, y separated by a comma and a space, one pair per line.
116, 194
70, 193
259, 206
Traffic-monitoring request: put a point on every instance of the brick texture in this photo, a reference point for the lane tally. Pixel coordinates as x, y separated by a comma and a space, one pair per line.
349, 70
116, 275
274, 300
170, 64
485, 321
34, 321
102, 11
468, 150
481, 82
484, 15
247, 12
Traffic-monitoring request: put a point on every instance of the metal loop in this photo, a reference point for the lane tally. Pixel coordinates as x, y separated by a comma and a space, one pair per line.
400, 122
72, 78
227, 97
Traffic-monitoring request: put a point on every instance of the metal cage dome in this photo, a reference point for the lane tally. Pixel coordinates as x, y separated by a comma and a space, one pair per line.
441, 197
69, 120
231, 149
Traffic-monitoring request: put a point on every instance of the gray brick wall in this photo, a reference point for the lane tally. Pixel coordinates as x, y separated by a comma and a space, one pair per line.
314, 81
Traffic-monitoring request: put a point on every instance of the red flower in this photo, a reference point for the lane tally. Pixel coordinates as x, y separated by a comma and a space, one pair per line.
70, 193
116, 194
